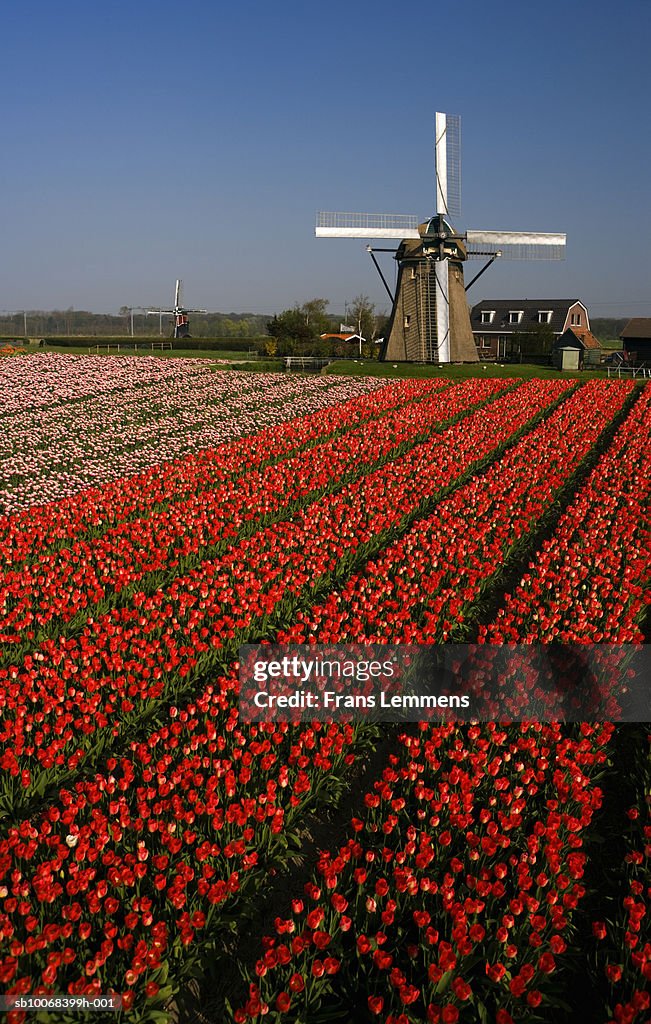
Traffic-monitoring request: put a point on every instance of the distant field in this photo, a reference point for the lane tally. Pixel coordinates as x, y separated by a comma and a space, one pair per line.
353, 367
368, 368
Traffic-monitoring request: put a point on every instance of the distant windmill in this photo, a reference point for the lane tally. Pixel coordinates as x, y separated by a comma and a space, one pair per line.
180, 313
430, 321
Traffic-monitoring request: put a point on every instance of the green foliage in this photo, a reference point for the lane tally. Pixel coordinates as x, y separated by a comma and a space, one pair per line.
536, 342
369, 323
224, 344
298, 331
83, 324
607, 328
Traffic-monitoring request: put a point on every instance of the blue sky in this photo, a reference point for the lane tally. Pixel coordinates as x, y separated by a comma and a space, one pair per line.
146, 141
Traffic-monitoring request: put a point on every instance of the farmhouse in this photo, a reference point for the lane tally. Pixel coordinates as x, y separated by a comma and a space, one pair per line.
636, 340
496, 322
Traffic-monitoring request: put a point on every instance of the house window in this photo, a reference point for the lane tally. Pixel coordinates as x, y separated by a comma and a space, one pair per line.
575, 319
407, 321
412, 273
487, 316
515, 316
544, 316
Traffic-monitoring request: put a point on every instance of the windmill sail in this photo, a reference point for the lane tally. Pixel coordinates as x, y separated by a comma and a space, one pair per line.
517, 245
447, 164
366, 225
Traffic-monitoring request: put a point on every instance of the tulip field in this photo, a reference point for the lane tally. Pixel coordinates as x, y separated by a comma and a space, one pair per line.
155, 515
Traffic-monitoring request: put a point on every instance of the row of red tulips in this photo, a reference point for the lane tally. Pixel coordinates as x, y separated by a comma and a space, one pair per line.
57, 586
454, 897
121, 833
224, 791
624, 944
596, 564
94, 510
423, 585
121, 665
301, 980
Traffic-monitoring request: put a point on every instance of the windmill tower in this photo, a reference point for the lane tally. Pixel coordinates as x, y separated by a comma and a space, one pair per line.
179, 312
430, 321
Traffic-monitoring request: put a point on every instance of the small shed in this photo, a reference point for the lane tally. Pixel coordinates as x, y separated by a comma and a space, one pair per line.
636, 340
566, 357
584, 343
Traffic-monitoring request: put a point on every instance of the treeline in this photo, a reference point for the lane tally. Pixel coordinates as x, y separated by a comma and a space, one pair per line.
81, 323
607, 328
300, 324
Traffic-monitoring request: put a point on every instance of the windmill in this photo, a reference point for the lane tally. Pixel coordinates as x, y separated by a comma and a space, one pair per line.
180, 313
430, 321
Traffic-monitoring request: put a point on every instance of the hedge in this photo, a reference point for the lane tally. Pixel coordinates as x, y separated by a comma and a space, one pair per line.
216, 344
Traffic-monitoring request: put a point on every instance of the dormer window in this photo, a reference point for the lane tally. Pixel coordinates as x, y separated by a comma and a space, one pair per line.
544, 316
575, 319
487, 316
515, 316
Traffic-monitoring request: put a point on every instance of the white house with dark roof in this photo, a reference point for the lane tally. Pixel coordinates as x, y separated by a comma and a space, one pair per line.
495, 321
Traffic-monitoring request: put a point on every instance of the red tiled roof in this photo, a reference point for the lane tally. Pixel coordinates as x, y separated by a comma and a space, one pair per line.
584, 337
340, 337
588, 339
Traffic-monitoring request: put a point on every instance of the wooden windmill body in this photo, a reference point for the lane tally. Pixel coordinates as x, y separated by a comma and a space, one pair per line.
430, 317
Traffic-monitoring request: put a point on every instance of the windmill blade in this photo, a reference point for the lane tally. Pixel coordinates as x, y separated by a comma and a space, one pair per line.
516, 245
178, 293
447, 163
365, 225
441, 270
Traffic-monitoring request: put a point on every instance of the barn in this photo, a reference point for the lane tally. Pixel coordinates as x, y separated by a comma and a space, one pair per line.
636, 340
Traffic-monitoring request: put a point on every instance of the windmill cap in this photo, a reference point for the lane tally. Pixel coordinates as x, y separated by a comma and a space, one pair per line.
437, 226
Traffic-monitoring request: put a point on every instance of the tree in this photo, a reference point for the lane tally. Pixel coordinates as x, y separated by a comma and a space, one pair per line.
301, 327
361, 314
538, 341
316, 319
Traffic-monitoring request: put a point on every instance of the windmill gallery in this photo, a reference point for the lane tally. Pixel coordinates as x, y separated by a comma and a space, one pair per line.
430, 320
